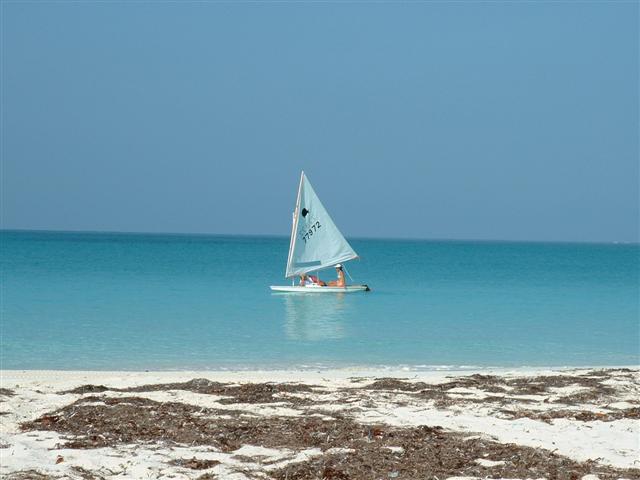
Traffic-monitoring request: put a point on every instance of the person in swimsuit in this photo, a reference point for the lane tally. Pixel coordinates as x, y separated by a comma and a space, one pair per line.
310, 280
340, 282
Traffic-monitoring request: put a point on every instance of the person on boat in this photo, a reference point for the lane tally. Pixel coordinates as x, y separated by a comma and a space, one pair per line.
340, 282
311, 280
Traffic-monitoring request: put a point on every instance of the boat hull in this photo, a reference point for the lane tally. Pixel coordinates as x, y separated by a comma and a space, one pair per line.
317, 289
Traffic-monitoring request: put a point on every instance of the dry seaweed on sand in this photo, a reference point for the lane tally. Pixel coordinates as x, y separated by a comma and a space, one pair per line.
607, 372
82, 389
591, 388
265, 393
425, 452
396, 384
99, 422
5, 392
208, 476
347, 449
102, 421
242, 393
439, 392
28, 475
80, 472
194, 463
379, 450
531, 385
487, 383
580, 415
85, 474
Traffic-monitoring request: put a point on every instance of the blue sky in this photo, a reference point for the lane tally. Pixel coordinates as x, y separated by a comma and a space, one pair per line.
467, 120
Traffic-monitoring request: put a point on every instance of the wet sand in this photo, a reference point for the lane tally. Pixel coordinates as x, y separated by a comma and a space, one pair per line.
333, 424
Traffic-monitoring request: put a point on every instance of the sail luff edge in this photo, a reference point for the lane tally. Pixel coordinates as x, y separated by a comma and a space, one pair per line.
292, 242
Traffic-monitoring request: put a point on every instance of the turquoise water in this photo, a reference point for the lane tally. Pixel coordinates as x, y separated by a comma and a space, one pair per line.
129, 301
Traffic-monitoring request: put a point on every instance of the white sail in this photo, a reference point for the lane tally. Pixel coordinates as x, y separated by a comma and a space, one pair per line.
316, 242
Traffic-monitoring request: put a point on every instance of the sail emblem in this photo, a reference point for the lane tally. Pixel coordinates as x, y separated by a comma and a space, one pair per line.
304, 212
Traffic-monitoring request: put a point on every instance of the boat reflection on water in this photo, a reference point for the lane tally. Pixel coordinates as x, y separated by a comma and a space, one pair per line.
314, 317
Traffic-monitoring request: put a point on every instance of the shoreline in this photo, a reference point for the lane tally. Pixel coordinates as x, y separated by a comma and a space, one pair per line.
487, 421
367, 370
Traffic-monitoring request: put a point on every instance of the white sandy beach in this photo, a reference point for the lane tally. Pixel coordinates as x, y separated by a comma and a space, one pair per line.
586, 416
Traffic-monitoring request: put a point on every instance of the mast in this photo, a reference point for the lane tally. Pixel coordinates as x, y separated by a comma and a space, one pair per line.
294, 225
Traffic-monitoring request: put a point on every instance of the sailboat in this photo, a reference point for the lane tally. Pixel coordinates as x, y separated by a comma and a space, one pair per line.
316, 244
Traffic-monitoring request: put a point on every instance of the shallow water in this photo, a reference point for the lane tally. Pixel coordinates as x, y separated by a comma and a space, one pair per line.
131, 301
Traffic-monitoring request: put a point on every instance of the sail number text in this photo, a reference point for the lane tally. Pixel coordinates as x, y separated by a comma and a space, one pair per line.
314, 228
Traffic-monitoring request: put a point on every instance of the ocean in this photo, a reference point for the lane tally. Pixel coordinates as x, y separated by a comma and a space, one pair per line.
110, 301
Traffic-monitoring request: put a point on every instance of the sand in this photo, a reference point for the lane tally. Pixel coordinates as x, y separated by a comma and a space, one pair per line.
335, 424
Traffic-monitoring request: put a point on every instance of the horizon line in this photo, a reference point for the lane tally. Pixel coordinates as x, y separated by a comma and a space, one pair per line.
258, 235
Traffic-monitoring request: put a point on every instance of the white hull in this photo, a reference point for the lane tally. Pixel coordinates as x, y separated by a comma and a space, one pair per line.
315, 289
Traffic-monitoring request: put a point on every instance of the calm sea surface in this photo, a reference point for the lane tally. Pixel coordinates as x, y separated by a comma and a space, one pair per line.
129, 301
